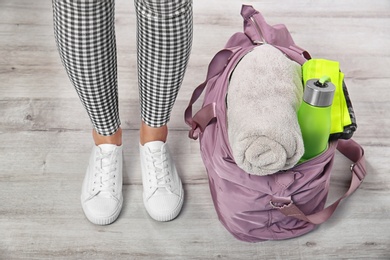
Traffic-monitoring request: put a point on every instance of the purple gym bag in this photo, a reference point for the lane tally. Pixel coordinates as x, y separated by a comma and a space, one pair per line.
253, 208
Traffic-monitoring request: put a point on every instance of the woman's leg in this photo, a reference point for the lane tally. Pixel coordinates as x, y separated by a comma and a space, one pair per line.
164, 37
85, 35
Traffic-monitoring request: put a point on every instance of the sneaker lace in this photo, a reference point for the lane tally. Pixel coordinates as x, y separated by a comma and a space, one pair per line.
104, 178
158, 170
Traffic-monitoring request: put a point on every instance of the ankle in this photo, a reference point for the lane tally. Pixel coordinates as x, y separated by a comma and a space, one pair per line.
149, 134
115, 138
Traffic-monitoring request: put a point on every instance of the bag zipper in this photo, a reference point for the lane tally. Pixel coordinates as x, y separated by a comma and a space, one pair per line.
259, 32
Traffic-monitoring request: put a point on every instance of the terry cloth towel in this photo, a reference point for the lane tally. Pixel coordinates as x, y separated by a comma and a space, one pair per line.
263, 98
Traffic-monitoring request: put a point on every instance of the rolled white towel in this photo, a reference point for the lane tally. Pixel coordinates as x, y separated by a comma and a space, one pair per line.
264, 95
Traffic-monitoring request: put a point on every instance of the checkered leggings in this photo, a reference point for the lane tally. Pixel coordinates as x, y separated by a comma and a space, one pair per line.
85, 35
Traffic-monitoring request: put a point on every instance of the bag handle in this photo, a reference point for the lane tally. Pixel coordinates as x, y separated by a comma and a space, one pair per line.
260, 32
355, 153
207, 113
257, 29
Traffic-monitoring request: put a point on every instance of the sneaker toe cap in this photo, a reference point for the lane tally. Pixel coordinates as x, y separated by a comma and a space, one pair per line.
102, 207
164, 207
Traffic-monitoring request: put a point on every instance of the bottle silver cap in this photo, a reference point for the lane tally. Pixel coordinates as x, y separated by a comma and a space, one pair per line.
317, 95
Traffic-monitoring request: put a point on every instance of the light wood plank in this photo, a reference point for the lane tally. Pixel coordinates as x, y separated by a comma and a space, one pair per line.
56, 228
45, 139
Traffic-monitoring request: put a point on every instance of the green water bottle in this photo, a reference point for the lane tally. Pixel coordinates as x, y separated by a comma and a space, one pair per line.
314, 116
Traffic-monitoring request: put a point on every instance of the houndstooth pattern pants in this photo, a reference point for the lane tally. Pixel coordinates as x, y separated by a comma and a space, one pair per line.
85, 35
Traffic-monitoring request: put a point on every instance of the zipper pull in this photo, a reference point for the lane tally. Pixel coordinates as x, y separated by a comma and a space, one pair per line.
259, 32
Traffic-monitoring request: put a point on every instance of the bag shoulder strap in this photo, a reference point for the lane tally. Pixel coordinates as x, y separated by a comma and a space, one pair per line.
353, 151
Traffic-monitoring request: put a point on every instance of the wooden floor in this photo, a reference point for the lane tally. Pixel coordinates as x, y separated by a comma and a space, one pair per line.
45, 139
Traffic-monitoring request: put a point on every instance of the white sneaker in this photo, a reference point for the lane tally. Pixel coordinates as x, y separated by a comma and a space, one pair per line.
101, 193
162, 188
